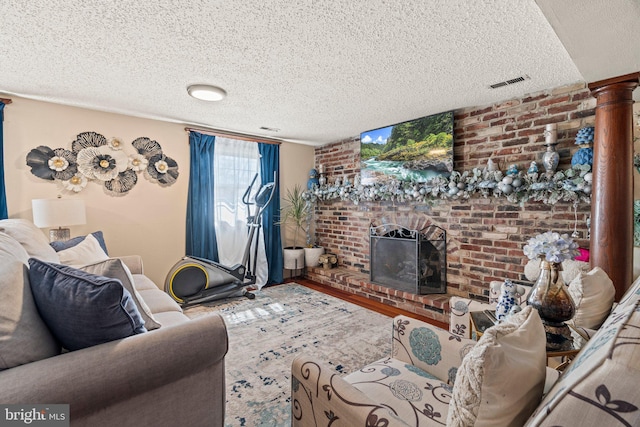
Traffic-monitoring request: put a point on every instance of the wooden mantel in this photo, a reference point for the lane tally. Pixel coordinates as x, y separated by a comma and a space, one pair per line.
611, 244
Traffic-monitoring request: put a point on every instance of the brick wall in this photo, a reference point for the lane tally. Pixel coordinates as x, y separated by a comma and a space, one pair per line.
485, 236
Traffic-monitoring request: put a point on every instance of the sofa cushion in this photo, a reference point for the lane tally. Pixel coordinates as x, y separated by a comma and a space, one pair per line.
600, 386
61, 245
24, 337
30, 237
116, 269
82, 309
170, 318
143, 283
86, 252
415, 396
159, 301
500, 381
593, 295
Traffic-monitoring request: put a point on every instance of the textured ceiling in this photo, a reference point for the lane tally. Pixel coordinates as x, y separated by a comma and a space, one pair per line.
317, 70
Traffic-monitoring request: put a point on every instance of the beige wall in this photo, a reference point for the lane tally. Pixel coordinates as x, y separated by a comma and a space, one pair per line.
149, 220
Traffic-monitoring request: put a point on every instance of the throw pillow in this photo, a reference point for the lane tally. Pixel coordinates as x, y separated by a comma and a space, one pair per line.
82, 309
30, 237
501, 380
24, 337
61, 245
86, 252
593, 295
116, 269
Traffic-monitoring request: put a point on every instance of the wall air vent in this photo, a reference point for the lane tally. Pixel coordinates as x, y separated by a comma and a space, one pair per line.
509, 82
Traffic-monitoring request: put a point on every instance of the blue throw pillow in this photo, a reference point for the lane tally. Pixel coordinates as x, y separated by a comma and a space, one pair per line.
66, 244
82, 309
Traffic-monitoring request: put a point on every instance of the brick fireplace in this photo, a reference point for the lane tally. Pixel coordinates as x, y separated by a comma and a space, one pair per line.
485, 236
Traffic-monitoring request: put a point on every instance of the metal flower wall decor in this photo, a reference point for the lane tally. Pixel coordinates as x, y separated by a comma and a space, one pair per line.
94, 158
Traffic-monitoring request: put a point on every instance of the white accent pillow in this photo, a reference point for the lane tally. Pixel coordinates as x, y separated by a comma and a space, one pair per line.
593, 293
501, 380
86, 252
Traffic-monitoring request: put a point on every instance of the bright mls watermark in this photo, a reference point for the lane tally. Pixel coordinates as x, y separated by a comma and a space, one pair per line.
34, 415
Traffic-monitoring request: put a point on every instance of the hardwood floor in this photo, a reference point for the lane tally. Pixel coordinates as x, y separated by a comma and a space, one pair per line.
384, 309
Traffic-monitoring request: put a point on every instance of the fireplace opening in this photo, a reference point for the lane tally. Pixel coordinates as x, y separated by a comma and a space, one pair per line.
412, 261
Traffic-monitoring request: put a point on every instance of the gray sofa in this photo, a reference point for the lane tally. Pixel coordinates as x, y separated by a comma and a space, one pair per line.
171, 375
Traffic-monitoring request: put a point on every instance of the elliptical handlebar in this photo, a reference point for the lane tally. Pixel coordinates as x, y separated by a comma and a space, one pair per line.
247, 193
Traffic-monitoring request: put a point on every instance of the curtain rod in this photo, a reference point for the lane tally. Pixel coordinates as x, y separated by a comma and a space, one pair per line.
234, 135
6, 100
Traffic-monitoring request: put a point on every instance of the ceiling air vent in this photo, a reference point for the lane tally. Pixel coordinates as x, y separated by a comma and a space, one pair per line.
509, 82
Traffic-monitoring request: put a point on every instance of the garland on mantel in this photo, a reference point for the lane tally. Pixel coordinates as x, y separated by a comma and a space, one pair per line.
570, 185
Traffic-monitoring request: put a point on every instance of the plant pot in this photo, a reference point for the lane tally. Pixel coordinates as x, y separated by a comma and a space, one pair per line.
312, 256
293, 258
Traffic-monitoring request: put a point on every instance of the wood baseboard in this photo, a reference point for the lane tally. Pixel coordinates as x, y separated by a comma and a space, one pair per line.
367, 303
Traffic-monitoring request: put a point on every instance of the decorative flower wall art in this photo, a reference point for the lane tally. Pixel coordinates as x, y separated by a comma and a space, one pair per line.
94, 158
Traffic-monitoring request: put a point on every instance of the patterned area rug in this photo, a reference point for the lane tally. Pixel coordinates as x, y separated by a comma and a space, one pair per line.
265, 335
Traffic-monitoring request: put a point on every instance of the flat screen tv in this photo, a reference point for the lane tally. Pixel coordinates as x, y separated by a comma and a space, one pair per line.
417, 150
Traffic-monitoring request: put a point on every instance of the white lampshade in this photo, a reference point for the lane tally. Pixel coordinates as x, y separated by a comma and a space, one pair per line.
58, 212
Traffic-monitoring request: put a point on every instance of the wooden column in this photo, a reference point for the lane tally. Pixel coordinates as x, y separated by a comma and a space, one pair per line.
611, 244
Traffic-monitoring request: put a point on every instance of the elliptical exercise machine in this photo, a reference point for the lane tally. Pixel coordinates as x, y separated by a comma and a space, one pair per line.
194, 280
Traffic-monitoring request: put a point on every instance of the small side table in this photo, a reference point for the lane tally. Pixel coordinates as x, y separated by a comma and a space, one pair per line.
480, 322
483, 320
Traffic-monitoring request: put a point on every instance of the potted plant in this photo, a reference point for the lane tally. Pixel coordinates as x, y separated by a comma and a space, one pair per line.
295, 213
312, 251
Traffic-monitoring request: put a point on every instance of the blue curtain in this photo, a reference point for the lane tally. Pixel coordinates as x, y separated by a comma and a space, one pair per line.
3, 192
201, 234
270, 164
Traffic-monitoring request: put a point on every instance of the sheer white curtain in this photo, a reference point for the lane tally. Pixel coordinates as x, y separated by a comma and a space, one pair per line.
236, 163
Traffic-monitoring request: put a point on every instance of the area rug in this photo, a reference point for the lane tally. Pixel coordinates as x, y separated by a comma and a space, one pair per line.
266, 334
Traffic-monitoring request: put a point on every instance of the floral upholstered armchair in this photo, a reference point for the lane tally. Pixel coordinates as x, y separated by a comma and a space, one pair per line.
431, 378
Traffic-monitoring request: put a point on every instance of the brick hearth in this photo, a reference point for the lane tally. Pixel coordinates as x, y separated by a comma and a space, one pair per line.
431, 306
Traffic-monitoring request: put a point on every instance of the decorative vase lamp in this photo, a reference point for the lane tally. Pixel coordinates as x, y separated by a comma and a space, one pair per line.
551, 158
549, 294
58, 213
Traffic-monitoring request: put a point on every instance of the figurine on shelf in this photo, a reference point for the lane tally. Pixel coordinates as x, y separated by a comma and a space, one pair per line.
313, 179
533, 168
584, 139
509, 301
492, 166
512, 171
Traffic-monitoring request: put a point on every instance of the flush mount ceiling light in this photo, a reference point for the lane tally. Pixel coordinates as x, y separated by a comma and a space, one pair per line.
207, 92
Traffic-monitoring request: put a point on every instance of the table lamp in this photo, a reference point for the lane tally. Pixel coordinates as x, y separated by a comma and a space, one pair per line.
58, 213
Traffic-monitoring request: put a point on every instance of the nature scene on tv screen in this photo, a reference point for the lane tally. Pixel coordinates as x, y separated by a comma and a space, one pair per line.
417, 150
